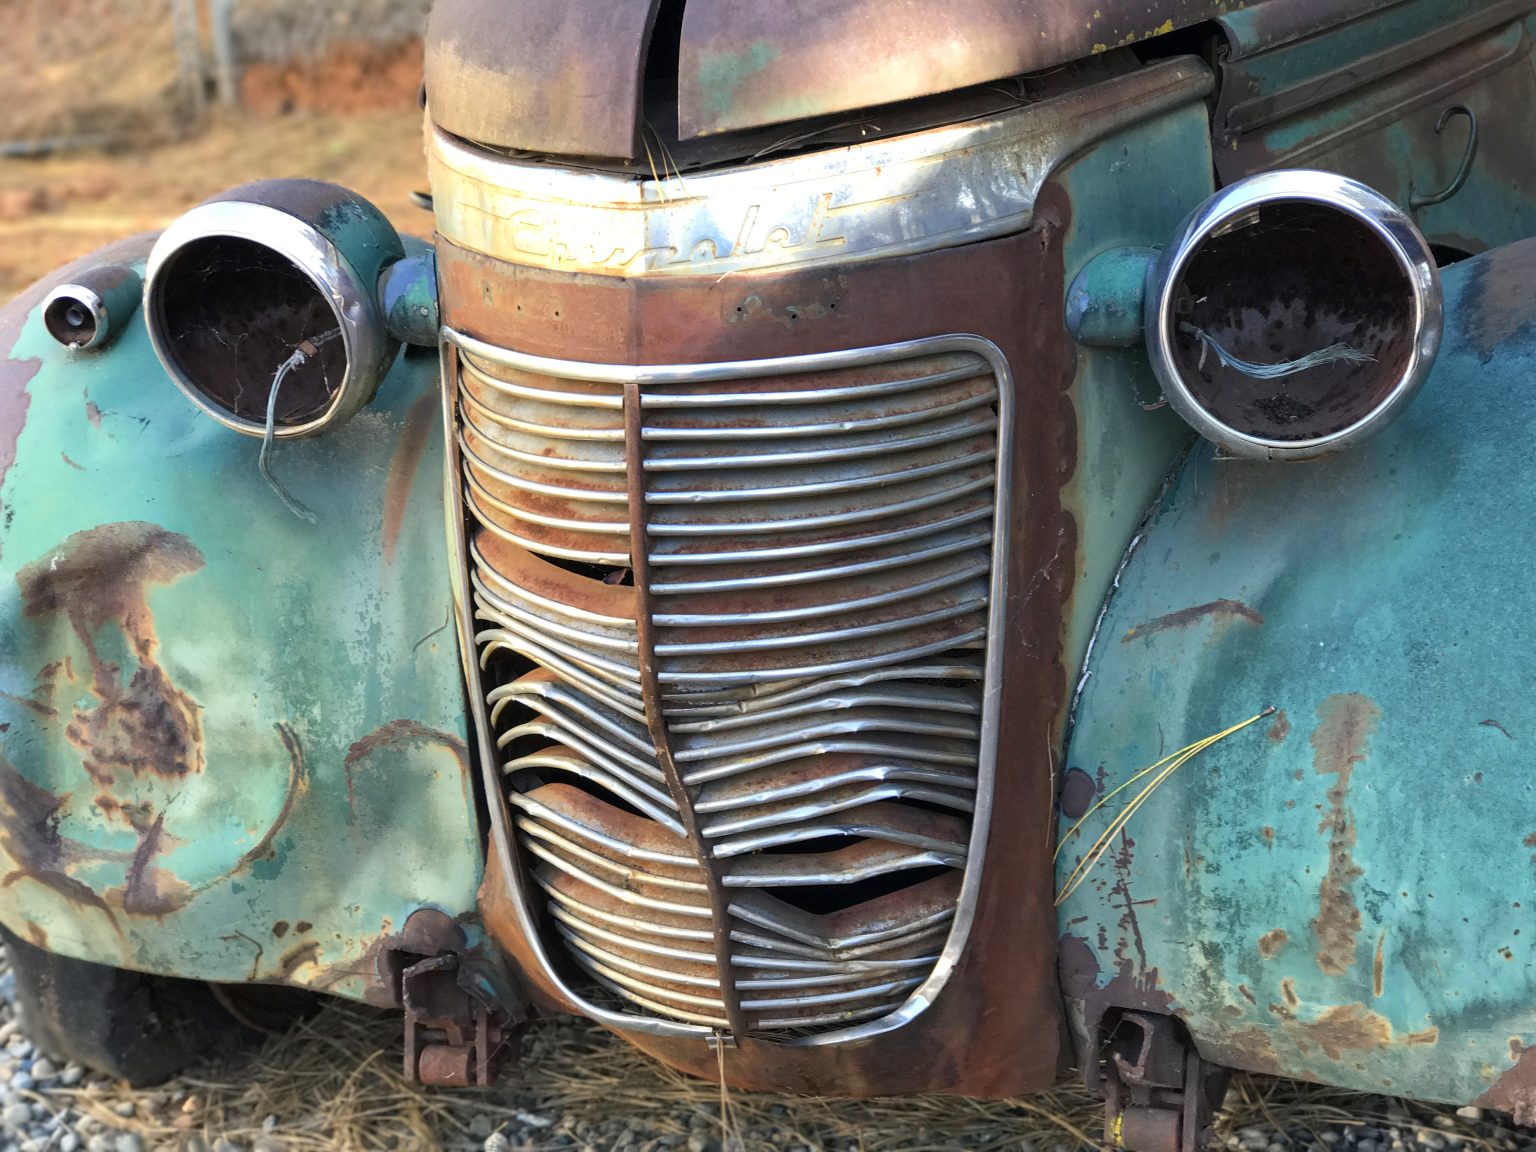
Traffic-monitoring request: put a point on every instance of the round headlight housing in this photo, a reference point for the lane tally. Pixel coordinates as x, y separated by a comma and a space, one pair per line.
1294, 314
281, 272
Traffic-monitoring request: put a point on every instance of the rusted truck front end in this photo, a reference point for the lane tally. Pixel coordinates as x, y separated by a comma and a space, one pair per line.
811, 396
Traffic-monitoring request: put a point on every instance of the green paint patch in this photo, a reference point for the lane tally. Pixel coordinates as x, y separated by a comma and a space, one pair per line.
722, 75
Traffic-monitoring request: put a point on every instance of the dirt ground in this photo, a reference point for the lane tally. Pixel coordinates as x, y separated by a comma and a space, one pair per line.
60, 207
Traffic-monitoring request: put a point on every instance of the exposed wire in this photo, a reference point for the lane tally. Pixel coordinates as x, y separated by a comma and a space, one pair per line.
1164, 768
300, 357
1329, 355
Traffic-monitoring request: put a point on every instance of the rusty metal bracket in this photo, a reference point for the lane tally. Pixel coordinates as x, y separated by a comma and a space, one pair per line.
451, 1038
1416, 200
1159, 1096
458, 1029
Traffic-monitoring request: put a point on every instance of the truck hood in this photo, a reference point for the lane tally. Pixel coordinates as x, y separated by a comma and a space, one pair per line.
566, 77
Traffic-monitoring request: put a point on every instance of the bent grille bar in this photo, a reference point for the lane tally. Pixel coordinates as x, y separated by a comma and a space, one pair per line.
736, 633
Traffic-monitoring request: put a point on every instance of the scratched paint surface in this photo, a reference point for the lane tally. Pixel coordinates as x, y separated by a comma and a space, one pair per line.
231, 742
1126, 440
1343, 892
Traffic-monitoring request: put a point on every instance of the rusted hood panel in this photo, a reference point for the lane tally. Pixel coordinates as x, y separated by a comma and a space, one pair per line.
745, 63
232, 743
559, 76
565, 76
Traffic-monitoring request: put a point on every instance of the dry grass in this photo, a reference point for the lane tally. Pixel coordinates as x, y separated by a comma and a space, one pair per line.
335, 1083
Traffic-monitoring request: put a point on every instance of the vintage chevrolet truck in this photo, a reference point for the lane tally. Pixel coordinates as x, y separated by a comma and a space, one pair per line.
884, 548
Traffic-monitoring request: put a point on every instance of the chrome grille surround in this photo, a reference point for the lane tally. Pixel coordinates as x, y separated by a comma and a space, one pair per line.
809, 653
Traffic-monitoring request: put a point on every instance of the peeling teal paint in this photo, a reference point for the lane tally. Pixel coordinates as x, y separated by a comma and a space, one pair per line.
1127, 441
1343, 892
233, 742
1342, 47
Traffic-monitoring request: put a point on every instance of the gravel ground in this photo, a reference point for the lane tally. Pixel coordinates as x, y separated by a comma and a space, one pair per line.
334, 1083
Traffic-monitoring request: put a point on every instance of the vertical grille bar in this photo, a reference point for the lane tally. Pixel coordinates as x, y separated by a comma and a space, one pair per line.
634, 461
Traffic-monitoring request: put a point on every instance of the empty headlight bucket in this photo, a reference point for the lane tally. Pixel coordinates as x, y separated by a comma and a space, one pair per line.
1295, 313
281, 272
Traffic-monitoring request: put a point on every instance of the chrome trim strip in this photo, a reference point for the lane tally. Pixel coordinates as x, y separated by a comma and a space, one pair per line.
925, 190
962, 915
817, 611
946, 547
696, 497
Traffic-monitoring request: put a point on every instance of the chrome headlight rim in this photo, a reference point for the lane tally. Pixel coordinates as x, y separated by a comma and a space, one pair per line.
81, 296
1400, 237
366, 346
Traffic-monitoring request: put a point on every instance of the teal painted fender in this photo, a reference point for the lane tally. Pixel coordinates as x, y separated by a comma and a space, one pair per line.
1343, 892
232, 743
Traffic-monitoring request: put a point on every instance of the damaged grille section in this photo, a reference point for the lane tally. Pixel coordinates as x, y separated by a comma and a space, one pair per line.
732, 624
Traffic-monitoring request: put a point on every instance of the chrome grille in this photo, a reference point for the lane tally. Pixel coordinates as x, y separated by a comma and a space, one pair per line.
732, 624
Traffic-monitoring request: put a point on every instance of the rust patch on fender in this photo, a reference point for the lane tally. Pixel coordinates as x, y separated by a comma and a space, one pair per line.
103, 576
297, 957
1281, 728
31, 838
1346, 1028
15, 376
298, 781
150, 890
1226, 610
1271, 944
1379, 967
1339, 743
1515, 1091
397, 734
402, 468
1248, 1048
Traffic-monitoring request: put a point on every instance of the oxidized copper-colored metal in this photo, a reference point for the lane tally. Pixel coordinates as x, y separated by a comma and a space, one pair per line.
529, 75
1010, 291
645, 630
542, 75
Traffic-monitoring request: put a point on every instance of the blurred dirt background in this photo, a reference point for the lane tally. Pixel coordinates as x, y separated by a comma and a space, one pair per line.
110, 122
